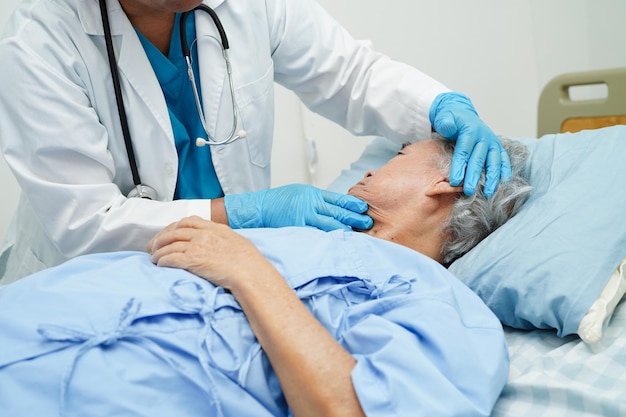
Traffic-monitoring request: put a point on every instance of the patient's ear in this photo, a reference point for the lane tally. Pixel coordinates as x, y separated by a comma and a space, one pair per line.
443, 187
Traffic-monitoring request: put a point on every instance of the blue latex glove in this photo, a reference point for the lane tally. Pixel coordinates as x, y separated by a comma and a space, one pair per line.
453, 116
296, 205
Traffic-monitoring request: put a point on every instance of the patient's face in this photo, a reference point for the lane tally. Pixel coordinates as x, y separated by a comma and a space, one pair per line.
398, 187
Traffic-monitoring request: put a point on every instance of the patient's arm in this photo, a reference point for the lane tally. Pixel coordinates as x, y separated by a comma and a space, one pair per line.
313, 369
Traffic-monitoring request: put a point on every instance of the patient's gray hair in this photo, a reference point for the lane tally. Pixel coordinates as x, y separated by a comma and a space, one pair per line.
474, 217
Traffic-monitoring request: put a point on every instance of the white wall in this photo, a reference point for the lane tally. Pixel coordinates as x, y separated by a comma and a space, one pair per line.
8, 185
500, 53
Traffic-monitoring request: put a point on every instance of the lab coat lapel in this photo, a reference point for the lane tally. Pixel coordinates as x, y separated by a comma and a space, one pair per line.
89, 15
136, 68
132, 62
213, 3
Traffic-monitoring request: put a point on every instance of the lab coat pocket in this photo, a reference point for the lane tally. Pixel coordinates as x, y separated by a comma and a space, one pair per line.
255, 102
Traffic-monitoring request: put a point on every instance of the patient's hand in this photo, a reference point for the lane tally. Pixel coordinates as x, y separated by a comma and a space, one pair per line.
312, 368
210, 250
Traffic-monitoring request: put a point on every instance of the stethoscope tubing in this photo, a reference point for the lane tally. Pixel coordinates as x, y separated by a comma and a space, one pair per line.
186, 50
118, 94
218, 24
145, 191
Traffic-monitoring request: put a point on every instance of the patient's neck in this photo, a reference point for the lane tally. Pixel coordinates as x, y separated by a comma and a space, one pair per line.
426, 239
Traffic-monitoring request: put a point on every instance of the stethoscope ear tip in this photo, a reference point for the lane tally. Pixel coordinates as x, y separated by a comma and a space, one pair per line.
242, 134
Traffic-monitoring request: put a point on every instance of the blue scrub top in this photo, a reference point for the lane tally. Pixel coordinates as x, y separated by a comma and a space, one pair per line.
196, 174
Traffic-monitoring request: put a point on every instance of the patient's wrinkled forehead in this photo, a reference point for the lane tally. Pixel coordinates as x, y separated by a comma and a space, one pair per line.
425, 149
413, 162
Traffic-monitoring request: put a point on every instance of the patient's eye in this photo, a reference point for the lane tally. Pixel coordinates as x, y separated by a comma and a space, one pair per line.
404, 145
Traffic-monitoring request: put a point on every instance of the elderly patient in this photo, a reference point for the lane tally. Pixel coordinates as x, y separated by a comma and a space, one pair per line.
273, 322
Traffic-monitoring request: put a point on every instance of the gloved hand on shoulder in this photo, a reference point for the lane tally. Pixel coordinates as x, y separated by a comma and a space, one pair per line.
453, 117
296, 205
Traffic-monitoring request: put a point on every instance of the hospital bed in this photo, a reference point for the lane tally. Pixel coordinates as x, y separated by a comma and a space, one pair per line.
555, 273
552, 375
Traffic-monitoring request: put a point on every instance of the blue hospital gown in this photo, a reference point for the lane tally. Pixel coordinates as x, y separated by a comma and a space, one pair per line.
114, 335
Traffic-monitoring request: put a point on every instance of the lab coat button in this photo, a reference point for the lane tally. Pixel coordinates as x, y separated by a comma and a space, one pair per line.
169, 169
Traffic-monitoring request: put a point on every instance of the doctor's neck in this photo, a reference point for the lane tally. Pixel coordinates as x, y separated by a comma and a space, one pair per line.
155, 24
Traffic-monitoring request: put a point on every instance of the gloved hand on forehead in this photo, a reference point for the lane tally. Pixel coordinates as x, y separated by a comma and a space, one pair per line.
453, 117
296, 205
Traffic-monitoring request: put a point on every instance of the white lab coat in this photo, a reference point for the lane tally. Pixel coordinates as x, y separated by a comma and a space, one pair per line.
61, 136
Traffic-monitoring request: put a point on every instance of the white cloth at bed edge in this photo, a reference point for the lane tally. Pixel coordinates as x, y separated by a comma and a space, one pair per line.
592, 323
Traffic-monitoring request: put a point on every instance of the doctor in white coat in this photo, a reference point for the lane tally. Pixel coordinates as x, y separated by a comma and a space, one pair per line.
61, 129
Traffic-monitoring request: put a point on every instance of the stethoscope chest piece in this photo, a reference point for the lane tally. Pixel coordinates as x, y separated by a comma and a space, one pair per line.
143, 191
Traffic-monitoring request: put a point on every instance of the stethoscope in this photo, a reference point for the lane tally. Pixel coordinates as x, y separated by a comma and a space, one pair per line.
145, 191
